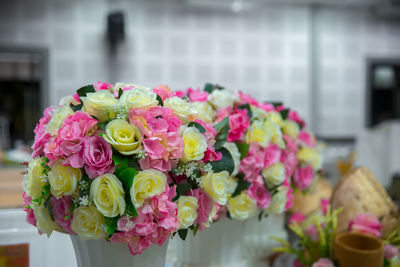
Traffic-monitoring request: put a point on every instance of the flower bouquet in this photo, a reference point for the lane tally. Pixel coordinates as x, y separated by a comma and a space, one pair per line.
136, 165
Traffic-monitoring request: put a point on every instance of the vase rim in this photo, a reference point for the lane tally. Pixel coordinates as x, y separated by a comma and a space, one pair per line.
378, 242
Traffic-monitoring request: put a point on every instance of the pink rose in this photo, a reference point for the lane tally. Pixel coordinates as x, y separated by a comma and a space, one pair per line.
391, 251
294, 116
39, 144
239, 122
102, 86
306, 138
245, 98
272, 155
258, 192
297, 217
222, 113
205, 207
303, 177
323, 262
367, 224
324, 205
297, 263
289, 160
163, 91
97, 156
289, 198
62, 212
252, 164
30, 216
197, 95
312, 232
266, 107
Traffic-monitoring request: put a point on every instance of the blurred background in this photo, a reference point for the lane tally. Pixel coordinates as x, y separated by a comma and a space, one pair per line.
335, 61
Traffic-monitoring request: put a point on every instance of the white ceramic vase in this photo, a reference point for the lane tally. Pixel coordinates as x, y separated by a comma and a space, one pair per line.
100, 253
219, 245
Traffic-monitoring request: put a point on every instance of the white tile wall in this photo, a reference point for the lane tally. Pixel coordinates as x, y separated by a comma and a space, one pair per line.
264, 52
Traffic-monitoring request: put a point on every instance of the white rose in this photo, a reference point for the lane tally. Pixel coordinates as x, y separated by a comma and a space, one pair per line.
88, 223
58, 118
274, 174
181, 108
204, 111
44, 221
63, 179
187, 211
278, 201
34, 181
222, 98
291, 129
216, 185
108, 195
146, 184
242, 207
234, 151
139, 97
195, 144
276, 133
101, 104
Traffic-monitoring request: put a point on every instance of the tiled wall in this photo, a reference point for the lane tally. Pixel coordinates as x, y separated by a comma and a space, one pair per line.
264, 52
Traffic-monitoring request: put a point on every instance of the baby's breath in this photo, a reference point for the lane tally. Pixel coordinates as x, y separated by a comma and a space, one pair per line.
84, 200
141, 154
121, 111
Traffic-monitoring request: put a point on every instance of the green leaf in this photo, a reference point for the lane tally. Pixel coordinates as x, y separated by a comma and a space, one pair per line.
260, 215
130, 209
284, 113
111, 224
126, 176
160, 102
222, 129
240, 175
209, 87
197, 125
119, 159
120, 92
76, 107
102, 125
243, 149
85, 89
247, 106
275, 104
183, 233
226, 163
196, 228
181, 189
242, 185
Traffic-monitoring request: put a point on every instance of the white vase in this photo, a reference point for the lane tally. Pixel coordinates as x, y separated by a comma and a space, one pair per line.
219, 245
100, 253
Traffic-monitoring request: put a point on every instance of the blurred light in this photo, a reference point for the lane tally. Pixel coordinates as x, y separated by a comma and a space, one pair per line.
237, 6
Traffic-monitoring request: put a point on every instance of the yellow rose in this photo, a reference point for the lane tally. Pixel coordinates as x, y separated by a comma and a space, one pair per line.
274, 174
44, 222
234, 151
187, 211
138, 97
310, 156
101, 104
108, 195
63, 179
278, 201
258, 132
88, 223
291, 129
58, 118
216, 185
242, 207
181, 108
222, 98
123, 136
34, 181
195, 144
204, 111
258, 112
147, 183
276, 133
275, 117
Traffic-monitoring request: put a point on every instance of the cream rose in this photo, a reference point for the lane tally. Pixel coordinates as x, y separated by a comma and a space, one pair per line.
44, 222
258, 112
242, 207
138, 97
123, 136
291, 129
234, 151
275, 132
181, 108
101, 104
195, 144
63, 179
187, 211
278, 201
204, 111
147, 183
222, 98
310, 156
108, 195
58, 118
88, 223
216, 185
274, 174
258, 132
275, 117
34, 181
232, 184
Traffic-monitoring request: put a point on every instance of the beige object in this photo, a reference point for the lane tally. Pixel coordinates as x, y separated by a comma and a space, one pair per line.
311, 201
11, 188
359, 192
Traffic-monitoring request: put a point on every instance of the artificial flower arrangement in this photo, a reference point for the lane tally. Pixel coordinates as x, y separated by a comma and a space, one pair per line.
317, 231
136, 165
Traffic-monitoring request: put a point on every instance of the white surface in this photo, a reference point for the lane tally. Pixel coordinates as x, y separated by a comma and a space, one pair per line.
43, 252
